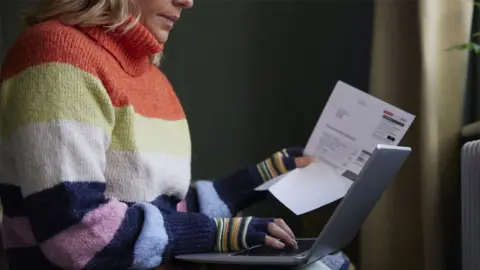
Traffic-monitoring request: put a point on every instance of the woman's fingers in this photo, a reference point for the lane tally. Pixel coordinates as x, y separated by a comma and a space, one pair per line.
282, 224
272, 242
302, 162
277, 232
292, 163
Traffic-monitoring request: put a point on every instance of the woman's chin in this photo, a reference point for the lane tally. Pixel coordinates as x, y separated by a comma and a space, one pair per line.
159, 31
161, 36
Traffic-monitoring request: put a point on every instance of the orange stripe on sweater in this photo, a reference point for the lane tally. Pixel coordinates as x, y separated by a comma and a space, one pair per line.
150, 94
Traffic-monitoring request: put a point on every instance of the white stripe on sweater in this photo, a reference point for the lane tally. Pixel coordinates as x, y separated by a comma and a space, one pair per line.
49, 153
135, 177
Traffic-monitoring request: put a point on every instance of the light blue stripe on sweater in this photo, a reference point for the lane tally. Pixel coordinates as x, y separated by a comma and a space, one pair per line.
209, 201
153, 239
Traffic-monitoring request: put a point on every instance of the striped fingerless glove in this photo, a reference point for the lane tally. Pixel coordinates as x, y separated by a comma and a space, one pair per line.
235, 234
279, 163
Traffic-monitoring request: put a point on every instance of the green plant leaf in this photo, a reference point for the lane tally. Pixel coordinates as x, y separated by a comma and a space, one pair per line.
476, 3
458, 47
471, 46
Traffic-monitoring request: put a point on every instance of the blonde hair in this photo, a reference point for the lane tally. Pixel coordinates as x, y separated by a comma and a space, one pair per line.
89, 13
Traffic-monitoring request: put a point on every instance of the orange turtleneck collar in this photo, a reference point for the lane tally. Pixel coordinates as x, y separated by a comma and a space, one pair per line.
132, 48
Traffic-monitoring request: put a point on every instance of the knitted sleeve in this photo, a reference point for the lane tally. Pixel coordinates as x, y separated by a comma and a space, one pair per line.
57, 121
227, 196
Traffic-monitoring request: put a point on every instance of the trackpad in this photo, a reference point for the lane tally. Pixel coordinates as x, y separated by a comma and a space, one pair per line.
303, 245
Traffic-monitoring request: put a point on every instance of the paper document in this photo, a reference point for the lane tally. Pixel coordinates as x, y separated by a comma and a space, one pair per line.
351, 125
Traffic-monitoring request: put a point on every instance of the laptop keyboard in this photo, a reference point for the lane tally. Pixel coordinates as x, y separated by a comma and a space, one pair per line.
303, 245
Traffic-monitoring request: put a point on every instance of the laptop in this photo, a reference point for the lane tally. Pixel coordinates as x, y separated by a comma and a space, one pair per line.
344, 224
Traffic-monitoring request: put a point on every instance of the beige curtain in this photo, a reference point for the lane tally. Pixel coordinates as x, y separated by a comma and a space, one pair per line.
411, 227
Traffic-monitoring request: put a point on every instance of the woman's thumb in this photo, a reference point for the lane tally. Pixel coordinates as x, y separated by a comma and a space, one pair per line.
302, 162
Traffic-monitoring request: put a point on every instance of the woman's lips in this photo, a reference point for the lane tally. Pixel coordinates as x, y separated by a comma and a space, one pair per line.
169, 19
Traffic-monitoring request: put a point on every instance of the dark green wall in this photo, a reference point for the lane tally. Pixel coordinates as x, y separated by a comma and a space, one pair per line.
254, 76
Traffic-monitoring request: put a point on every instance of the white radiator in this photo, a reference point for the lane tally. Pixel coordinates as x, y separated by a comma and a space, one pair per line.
470, 169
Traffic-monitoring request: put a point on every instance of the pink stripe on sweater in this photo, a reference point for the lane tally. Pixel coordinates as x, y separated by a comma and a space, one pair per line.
182, 206
77, 245
17, 233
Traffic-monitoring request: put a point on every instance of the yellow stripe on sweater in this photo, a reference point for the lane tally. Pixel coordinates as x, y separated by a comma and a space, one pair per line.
58, 91
54, 91
136, 133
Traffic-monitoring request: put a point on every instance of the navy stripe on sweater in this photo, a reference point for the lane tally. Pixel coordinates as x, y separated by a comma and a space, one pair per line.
55, 209
28, 258
121, 245
192, 200
12, 201
238, 190
166, 203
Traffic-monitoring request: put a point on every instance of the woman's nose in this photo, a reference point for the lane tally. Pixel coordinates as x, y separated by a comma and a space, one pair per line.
183, 3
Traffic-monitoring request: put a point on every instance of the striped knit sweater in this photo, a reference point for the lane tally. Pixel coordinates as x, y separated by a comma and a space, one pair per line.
95, 155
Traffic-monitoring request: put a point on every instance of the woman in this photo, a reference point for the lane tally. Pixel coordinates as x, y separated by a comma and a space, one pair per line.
95, 148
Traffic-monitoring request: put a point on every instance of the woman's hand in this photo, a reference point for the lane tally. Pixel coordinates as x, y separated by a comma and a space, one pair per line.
282, 162
235, 234
279, 235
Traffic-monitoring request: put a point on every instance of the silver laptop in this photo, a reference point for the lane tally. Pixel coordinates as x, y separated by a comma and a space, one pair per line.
343, 225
